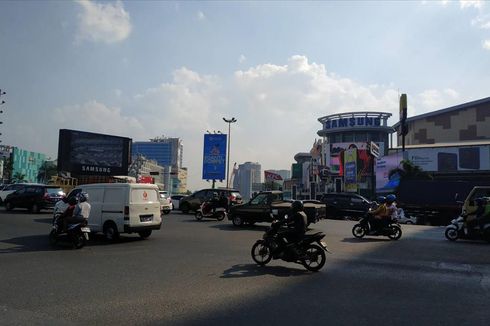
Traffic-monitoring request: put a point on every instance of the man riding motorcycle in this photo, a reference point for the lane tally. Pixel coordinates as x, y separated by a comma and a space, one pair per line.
81, 212
378, 214
481, 216
296, 226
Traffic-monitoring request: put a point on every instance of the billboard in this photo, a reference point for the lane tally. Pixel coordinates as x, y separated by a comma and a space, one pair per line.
364, 160
214, 158
451, 159
350, 167
87, 153
383, 167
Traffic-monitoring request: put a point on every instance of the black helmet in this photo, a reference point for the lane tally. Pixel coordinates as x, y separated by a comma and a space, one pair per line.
72, 200
297, 206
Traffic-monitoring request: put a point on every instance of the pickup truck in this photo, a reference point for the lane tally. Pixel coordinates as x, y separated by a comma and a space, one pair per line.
269, 205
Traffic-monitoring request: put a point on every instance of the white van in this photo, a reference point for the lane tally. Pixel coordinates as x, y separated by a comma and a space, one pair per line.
122, 208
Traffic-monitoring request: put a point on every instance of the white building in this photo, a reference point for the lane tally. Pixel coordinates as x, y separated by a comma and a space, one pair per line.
247, 178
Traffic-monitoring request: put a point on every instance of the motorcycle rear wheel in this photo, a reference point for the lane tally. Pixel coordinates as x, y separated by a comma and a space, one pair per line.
315, 258
358, 231
78, 240
198, 215
396, 232
220, 216
261, 253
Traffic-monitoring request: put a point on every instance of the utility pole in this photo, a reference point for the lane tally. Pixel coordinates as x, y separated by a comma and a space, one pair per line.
229, 122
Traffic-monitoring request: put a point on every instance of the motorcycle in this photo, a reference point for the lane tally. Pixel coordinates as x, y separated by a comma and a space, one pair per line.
458, 230
206, 211
309, 251
77, 232
363, 228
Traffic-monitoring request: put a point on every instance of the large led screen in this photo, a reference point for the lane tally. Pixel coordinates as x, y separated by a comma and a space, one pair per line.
86, 153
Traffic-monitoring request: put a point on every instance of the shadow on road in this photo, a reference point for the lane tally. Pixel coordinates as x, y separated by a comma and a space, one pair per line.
40, 242
251, 270
47, 220
231, 227
377, 239
30, 243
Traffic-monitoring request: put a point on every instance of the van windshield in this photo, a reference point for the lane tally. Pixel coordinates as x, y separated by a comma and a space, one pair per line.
144, 195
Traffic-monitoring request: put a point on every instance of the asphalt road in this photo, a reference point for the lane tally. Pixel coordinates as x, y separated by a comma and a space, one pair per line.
201, 273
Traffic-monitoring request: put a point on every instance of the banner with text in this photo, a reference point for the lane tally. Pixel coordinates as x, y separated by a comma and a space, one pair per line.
214, 158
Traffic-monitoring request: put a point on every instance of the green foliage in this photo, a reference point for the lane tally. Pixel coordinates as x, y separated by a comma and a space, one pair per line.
411, 171
18, 177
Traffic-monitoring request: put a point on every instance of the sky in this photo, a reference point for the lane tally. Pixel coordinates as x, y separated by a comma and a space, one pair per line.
142, 69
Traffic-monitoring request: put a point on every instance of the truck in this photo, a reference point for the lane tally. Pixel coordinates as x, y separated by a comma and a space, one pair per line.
434, 202
267, 206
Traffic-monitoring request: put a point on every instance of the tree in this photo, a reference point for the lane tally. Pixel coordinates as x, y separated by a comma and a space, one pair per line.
19, 177
46, 171
410, 171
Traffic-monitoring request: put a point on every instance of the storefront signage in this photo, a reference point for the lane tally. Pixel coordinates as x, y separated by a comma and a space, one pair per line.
353, 122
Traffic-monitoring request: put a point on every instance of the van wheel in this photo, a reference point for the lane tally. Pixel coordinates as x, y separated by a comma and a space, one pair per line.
110, 232
144, 234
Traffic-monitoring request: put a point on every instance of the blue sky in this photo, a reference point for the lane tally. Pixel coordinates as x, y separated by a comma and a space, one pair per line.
141, 69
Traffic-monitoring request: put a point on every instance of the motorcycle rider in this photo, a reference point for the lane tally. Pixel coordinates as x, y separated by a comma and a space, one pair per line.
68, 213
296, 222
391, 210
81, 212
214, 202
378, 214
481, 215
60, 207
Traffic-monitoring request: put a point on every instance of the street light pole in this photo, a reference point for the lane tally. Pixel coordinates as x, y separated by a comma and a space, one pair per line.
229, 122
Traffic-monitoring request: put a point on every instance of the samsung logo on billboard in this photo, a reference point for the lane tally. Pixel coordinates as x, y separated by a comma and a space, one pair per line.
88, 168
353, 122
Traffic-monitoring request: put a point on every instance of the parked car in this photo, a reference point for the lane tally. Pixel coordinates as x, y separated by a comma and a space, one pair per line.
343, 204
8, 189
34, 197
166, 205
193, 202
176, 201
405, 219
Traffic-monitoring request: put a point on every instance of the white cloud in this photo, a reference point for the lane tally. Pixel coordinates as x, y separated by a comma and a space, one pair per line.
103, 22
200, 15
434, 99
471, 3
482, 22
242, 58
486, 44
277, 107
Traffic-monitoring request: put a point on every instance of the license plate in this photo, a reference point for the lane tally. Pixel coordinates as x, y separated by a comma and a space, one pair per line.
85, 229
324, 245
146, 218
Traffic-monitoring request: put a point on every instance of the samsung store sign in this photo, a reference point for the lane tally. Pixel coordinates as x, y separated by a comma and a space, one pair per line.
353, 122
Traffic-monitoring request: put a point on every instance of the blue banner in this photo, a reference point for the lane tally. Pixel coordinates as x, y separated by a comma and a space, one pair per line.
214, 159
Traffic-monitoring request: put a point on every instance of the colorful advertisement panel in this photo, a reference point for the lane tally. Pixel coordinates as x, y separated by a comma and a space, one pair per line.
350, 166
451, 159
364, 160
214, 158
384, 165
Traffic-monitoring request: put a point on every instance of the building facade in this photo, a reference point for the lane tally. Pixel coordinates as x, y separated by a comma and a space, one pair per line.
247, 179
26, 164
168, 153
143, 167
345, 152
